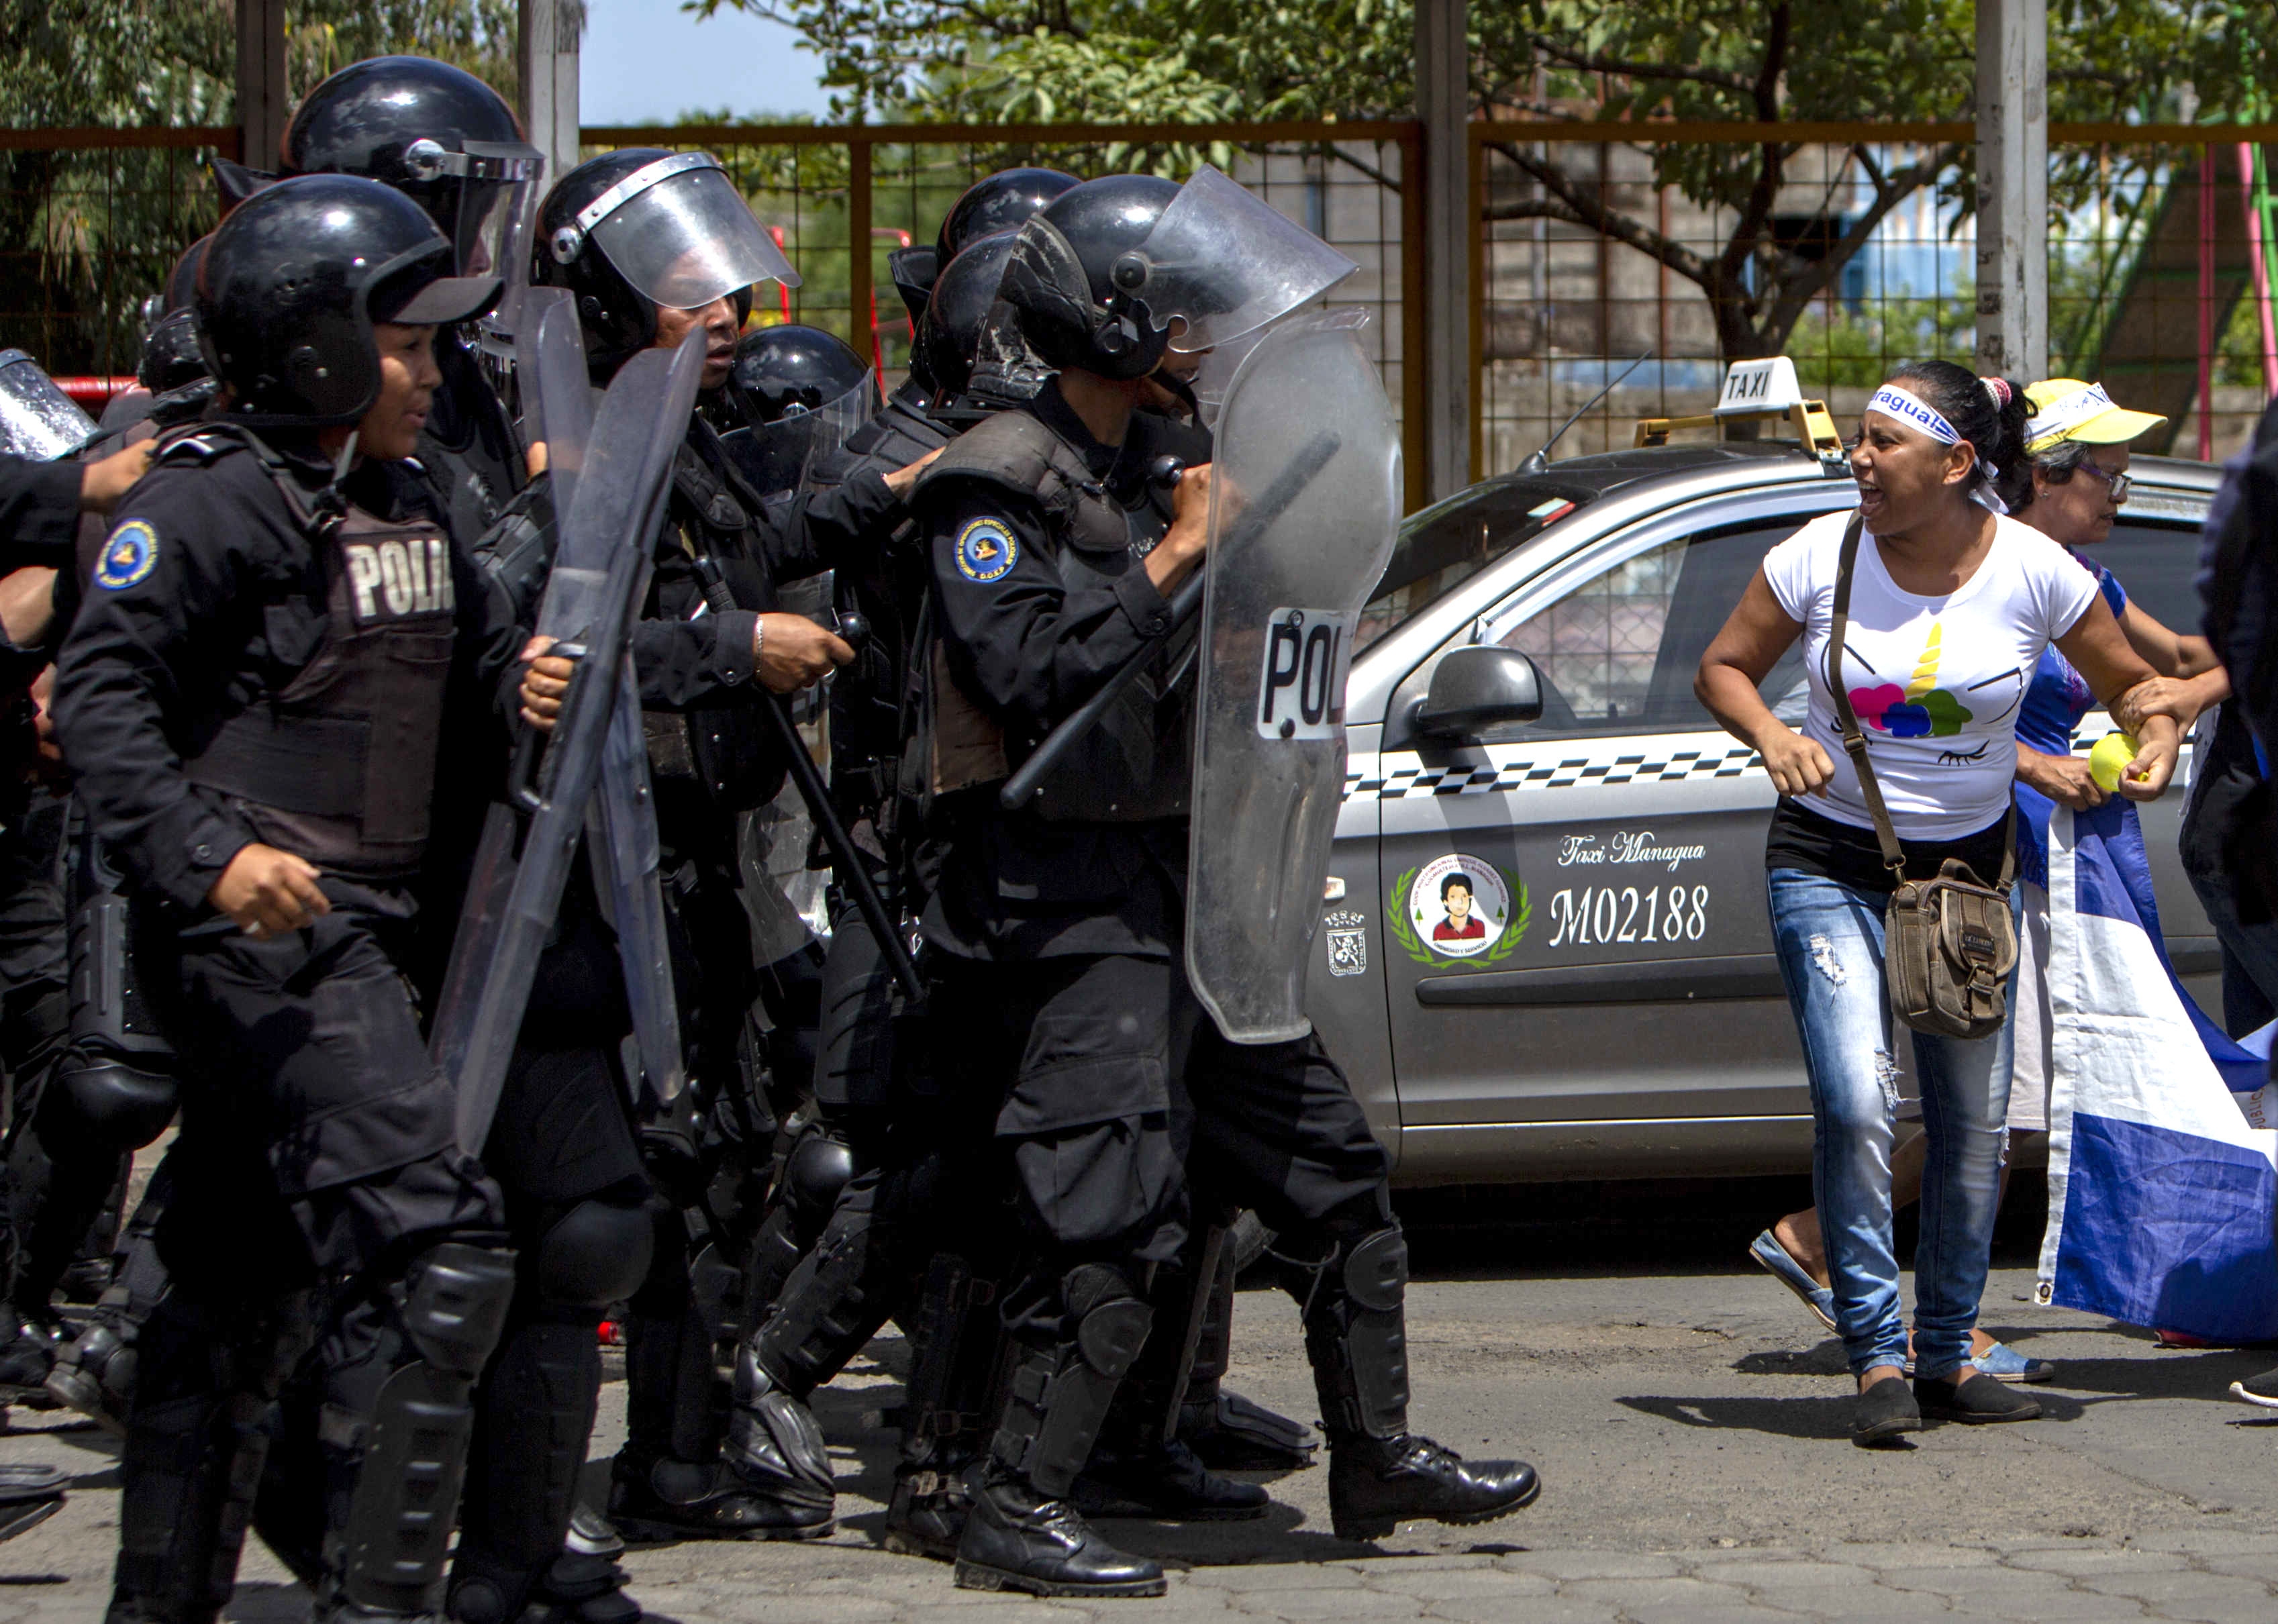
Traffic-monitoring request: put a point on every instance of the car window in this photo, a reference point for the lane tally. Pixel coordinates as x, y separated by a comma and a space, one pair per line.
1450, 542
1617, 654
2155, 563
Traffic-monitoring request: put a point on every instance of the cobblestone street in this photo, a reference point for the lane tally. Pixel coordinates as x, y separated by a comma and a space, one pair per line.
1690, 1431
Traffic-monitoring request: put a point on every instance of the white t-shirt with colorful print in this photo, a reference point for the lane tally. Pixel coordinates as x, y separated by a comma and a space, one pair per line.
1936, 682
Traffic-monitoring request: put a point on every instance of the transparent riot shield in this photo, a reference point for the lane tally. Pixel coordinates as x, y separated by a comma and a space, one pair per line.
1306, 495
37, 419
592, 594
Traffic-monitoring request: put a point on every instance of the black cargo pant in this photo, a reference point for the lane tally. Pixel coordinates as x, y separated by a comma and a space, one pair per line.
316, 1165
1109, 1084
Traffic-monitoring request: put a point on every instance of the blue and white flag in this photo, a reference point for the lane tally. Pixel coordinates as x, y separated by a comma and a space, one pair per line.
2163, 1161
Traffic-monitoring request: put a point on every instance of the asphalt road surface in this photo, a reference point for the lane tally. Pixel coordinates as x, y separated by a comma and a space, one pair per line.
1688, 1419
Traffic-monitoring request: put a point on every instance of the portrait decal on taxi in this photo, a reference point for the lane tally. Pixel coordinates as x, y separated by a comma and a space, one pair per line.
1457, 908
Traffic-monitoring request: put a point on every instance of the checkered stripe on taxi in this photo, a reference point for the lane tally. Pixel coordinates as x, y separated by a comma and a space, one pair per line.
1401, 773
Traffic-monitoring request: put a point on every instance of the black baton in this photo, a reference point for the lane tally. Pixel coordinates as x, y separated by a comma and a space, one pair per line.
1185, 603
850, 858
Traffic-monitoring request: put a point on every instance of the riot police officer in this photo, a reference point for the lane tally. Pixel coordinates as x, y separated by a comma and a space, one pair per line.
655, 245
995, 203
450, 143
251, 701
1059, 998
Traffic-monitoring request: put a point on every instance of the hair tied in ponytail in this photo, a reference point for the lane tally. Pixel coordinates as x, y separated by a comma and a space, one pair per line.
1998, 388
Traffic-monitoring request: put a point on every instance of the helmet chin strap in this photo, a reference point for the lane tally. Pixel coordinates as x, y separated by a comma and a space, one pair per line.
1182, 388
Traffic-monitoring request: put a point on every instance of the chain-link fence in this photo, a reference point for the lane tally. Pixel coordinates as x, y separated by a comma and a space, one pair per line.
1592, 250
90, 223
823, 189
1855, 253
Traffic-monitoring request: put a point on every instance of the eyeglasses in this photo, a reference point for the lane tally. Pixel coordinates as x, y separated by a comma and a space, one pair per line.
2120, 483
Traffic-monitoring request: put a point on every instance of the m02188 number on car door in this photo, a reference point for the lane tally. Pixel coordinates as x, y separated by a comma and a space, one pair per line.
1601, 915
1300, 686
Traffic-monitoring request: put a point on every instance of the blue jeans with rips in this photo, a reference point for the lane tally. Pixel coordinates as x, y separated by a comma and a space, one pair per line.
1830, 940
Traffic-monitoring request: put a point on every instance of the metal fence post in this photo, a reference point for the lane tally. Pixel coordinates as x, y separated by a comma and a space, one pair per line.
2013, 189
1443, 104
546, 52
858, 244
263, 108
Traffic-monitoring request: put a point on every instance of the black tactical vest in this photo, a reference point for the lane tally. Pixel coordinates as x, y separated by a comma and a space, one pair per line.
337, 764
1137, 765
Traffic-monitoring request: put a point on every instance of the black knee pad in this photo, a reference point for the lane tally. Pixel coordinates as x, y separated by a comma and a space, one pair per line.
594, 1254
820, 1166
105, 1102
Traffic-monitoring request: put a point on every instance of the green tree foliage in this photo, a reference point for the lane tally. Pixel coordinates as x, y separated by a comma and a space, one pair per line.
1770, 61
85, 232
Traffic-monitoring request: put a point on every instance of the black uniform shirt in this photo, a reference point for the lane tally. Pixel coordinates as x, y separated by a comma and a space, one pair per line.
39, 512
1016, 885
221, 617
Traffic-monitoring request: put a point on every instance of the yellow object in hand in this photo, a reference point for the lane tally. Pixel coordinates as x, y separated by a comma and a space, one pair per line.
2110, 758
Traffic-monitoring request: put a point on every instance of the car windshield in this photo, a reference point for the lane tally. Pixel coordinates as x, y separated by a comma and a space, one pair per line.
1450, 542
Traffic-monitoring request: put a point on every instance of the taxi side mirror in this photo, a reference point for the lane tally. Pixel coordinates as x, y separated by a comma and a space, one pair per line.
1476, 687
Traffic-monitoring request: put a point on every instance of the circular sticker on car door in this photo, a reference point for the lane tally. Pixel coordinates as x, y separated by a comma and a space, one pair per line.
1455, 908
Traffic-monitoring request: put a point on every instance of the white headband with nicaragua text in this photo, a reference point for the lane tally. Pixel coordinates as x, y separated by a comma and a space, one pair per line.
1892, 401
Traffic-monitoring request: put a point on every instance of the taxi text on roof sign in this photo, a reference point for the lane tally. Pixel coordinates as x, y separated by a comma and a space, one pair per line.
1763, 389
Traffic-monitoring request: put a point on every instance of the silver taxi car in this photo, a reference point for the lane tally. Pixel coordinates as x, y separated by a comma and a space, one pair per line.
1545, 953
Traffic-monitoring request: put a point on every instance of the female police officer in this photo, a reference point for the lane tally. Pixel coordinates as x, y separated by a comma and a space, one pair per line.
1056, 930
251, 701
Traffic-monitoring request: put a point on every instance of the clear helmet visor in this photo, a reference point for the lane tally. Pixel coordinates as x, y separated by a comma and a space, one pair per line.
1219, 263
685, 237
498, 196
783, 455
37, 420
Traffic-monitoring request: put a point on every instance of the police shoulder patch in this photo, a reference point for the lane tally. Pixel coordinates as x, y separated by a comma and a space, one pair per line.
986, 550
131, 554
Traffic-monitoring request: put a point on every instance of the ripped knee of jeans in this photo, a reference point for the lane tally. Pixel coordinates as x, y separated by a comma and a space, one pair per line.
1886, 1073
1823, 959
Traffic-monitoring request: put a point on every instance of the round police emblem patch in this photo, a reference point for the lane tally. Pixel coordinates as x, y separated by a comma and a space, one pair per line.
131, 554
985, 551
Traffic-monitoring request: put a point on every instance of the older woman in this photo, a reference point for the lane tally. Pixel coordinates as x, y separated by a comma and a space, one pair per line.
2077, 441
1951, 606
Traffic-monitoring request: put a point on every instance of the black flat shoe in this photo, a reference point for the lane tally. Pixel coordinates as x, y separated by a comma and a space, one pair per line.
1884, 1411
1016, 1538
1975, 1402
1166, 1482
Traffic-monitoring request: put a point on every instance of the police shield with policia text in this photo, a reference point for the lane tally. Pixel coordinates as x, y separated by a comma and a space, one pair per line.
1061, 1005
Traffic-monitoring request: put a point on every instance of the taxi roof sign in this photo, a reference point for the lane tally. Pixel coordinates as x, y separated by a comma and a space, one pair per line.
1766, 385
1757, 390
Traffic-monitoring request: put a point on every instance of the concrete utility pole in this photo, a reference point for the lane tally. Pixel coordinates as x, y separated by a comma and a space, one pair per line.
263, 108
547, 54
1443, 104
2013, 189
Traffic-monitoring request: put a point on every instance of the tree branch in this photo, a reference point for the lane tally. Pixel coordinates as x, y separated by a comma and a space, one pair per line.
1808, 280
1588, 211
1592, 62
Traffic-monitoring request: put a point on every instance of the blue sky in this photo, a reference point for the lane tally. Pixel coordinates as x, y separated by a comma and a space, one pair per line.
647, 61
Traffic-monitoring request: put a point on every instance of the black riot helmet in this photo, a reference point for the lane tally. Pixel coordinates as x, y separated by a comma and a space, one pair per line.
995, 203
949, 338
170, 357
799, 392
1111, 275
293, 280
433, 132
638, 229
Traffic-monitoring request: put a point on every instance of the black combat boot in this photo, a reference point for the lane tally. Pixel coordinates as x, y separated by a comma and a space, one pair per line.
1226, 1431
1137, 1469
668, 1481
957, 1352
1022, 1532
1381, 1473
